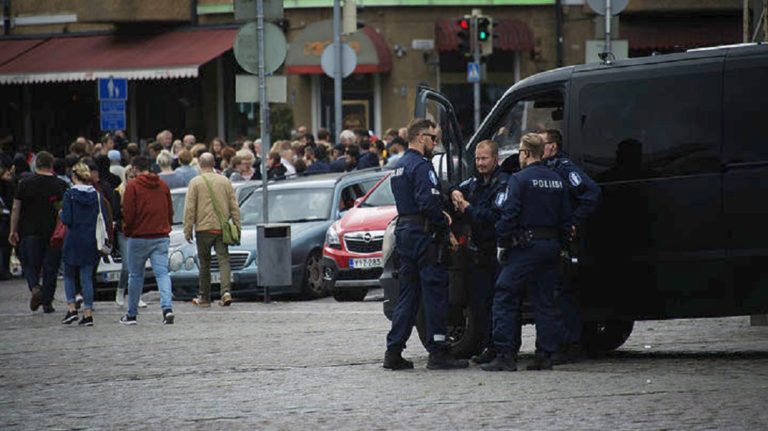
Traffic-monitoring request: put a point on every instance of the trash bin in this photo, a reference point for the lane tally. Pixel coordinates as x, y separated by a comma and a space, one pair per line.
273, 251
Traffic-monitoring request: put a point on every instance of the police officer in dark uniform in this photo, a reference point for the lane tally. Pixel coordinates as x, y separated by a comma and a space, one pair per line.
535, 223
422, 228
476, 199
585, 197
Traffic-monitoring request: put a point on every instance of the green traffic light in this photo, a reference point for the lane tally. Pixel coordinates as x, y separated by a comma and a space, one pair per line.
483, 35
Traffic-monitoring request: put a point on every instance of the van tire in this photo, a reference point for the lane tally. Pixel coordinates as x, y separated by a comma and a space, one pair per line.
466, 339
601, 337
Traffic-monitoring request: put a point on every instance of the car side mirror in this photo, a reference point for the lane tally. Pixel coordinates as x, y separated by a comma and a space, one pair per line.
358, 201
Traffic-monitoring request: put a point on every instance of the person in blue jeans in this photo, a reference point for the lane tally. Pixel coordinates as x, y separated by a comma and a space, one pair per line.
80, 207
147, 219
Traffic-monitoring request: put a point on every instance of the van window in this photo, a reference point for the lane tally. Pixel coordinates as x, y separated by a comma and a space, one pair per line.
652, 126
746, 93
539, 112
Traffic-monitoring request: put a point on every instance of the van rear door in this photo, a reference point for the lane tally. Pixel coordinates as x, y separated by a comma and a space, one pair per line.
448, 153
745, 178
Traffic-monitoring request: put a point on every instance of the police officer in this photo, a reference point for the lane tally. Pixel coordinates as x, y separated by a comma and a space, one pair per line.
422, 228
535, 222
476, 199
585, 197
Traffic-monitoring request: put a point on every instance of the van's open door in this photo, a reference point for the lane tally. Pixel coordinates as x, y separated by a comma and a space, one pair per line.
448, 153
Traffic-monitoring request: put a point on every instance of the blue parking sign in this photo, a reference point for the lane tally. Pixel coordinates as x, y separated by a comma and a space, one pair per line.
113, 89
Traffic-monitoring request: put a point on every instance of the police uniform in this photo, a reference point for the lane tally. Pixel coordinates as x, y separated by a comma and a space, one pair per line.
420, 228
584, 198
535, 220
482, 213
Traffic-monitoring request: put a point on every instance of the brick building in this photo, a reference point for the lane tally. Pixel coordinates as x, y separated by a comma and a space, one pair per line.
177, 56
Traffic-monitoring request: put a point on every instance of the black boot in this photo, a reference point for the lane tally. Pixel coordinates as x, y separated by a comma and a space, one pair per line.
502, 362
442, 360
487, 355
393, 360
541, 361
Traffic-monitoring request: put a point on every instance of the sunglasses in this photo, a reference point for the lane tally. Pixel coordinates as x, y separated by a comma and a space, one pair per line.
431, 135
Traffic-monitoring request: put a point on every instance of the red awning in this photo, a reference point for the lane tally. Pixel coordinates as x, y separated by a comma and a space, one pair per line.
85, 58
10, 49
680, 34
513, 35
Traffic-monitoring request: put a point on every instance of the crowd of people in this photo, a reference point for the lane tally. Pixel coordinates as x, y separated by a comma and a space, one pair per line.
45, 198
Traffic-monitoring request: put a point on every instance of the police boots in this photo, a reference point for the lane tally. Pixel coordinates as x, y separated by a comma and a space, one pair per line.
442, 360
541, 361
502, 362
488, 354
393, 360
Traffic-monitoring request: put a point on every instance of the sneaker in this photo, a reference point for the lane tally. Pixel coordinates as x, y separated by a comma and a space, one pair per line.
202, 303
142, 304
226, 300
120, 297
78, 301
503, 362
168, 317
487, 355
541, 361
48, 309
394, 361
86, 321
442, 360
70, 317
37, 298
128, 320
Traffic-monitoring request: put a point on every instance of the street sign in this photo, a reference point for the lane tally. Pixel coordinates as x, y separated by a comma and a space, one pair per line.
113, 89
473, 72
599, 6
247, 50
348, 60
112, 115
245, 10
247, 89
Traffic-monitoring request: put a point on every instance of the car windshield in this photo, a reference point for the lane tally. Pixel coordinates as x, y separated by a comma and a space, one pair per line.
289, 205
380, 196
177, 200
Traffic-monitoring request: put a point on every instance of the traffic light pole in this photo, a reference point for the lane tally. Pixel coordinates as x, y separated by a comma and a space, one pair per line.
475, 44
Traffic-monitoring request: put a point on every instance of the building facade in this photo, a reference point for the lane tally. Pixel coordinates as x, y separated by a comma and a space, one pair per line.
177, 57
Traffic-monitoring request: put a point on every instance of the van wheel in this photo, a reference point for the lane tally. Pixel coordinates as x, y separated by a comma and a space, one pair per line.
350, 295
314, 287
465, 330
601, 337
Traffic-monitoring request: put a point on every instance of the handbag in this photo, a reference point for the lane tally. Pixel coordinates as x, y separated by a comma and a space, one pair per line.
102, 237
230, 233
59, 232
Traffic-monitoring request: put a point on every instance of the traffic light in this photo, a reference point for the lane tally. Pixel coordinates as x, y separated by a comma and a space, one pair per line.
465, 44
485, 35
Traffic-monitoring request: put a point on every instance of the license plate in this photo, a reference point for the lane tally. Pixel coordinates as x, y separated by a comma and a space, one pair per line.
113, 276
215, 277
366, 262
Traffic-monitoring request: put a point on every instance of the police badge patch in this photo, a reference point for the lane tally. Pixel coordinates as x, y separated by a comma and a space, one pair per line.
433, 177
574, 178
501, 197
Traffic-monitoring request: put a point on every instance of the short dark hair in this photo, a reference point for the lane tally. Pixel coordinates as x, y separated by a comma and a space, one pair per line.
141, 163
554, 136
44, 160
353, 151
418, 125
324, 135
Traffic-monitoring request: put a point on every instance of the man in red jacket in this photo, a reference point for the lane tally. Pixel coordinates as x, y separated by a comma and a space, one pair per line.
147, 218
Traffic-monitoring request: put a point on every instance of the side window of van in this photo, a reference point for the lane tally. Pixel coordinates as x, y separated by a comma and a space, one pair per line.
653, 123
746, 95
537, 112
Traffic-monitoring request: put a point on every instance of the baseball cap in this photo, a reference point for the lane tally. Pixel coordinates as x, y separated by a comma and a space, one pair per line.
114, 155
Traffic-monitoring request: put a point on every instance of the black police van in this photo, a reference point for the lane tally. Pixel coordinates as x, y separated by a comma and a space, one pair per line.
679, 145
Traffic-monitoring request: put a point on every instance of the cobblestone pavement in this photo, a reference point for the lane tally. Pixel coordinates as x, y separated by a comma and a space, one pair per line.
317, 365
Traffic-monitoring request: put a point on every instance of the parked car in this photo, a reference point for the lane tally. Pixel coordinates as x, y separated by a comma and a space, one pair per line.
352, 249
309, 205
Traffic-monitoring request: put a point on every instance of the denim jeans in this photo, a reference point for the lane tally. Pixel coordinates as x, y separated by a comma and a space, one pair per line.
156, 250
35, 254
86, 284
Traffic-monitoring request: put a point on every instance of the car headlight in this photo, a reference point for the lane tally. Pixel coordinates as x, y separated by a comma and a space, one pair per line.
332, 238
175, 261
189, 264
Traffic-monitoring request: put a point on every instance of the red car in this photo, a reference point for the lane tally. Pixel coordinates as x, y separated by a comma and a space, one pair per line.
352, 249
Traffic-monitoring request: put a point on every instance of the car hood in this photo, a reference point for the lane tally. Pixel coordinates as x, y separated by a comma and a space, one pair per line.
367, 218
298, 231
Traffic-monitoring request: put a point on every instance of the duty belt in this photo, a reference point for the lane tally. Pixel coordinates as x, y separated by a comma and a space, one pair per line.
541, 233
412, 218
